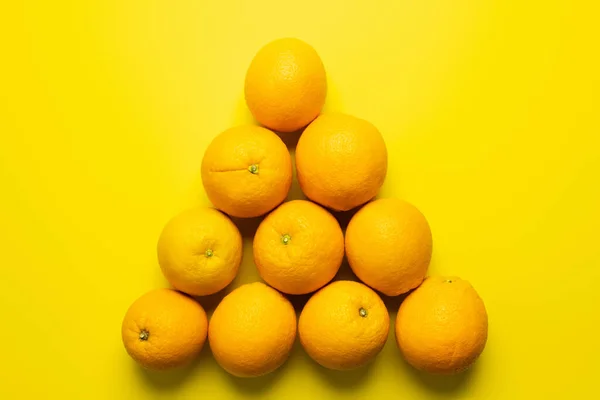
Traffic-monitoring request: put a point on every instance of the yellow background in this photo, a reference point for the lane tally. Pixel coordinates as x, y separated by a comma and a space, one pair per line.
490, 110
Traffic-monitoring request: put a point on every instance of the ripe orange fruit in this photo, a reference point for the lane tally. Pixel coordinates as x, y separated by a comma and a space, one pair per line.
252, 330
442, 326
341, 161
247, 171
200, 251
388, 245
298, 247
344, 325
164, 329
286, 85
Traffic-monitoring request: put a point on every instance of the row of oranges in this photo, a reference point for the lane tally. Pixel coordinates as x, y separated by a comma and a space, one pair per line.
341, 163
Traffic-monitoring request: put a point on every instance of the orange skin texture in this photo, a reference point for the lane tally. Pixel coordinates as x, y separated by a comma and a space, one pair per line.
332, 330
442, 326
226, 175
341, 161
389, 245
182, 251
286, 85
252, 330
311, 257
176, 326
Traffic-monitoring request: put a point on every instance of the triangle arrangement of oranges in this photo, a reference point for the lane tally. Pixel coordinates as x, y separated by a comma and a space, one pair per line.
341, 163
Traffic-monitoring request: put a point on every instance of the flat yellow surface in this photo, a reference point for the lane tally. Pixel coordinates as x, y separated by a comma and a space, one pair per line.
490, 110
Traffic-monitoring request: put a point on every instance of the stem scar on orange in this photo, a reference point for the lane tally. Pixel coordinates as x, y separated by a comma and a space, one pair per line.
298, 247
164, 329
247, 171
200, 251
344, 325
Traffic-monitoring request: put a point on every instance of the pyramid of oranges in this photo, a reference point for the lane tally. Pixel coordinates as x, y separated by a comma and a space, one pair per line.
341, 163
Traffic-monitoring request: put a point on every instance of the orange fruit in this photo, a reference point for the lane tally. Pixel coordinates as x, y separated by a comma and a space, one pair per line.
298, 247
388, 245
252, 330
164, 329
247, 171
200, 251
341, 161
286, 85
344, 325
442, 326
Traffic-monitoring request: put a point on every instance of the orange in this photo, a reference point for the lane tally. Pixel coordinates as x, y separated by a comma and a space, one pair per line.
442, 326
247, 171
299, 247
388, 245
252, 330
286, 85
341, 161
344, 325
164, 329
200, 251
